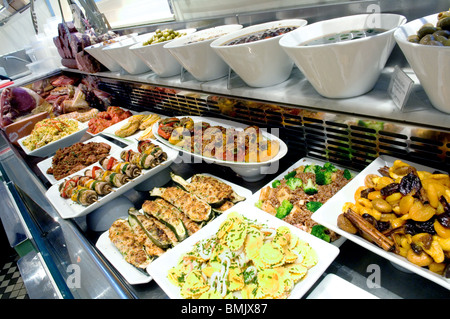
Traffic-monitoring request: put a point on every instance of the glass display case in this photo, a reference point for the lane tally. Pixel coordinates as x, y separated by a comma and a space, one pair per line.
349, 132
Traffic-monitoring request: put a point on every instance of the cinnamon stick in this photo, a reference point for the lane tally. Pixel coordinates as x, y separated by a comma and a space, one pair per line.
369, 230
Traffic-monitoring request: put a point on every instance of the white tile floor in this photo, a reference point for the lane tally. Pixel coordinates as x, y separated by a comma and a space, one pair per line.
11, 283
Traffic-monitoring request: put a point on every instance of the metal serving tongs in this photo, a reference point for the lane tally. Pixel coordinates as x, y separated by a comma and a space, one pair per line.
34, 17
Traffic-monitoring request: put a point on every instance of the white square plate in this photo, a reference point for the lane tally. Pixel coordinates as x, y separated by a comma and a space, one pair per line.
51, 148
47, 163
326, 253
334, 287
327, 215
303, 161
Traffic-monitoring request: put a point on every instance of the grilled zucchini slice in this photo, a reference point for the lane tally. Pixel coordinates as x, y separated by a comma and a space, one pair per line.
208, 188
195, 208
167, 217
156, 235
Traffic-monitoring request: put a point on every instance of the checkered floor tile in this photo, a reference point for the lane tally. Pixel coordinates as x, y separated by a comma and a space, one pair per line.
11, 283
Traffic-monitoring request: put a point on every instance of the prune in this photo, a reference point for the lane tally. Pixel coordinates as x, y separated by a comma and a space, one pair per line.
383, 226
365, 192
414, 227
390, 189
410, 183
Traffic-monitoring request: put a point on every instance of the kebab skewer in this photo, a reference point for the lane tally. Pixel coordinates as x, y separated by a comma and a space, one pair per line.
115, 179
113, 164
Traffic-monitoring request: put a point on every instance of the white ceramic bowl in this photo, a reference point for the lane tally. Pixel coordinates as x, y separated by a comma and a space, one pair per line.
344, 69
196, 55
260, 63
96, 50
431, 64
121, 53
158, 59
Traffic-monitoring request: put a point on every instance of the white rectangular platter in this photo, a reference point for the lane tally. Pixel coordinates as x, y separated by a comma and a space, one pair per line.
302, 161
47, 163
132, 274
52, 147
327, 215
110, 131
69, 209
158, 269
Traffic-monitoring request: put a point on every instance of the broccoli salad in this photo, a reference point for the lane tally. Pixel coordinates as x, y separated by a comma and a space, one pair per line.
301, 192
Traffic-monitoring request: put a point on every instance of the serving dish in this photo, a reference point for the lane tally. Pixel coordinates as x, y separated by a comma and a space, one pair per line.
334, 287
133, 138
158, 59
97, 51
121, 53
51, 148
327, 215
194, 53
259, 63
302, 162
132, 275
159, 268
431, 64
348, 68
104, 244
69, 209
249, 171
47, 163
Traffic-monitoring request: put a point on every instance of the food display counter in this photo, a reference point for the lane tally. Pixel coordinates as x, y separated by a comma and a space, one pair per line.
350, 133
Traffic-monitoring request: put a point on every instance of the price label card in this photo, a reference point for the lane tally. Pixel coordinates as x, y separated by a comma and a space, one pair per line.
400, 87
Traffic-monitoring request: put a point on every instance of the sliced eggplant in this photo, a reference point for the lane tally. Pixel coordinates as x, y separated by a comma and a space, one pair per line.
195, 208
156, 235
167, 217
210, 189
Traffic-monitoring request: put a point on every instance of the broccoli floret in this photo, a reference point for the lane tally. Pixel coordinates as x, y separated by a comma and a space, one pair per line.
329, 167
321, 232
347, 174
275, 183
313, 206
310, 168
290, 174
284, 209
310, 188
323, 177
294, 183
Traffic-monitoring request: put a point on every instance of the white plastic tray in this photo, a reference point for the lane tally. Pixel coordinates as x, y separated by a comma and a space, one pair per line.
327, 215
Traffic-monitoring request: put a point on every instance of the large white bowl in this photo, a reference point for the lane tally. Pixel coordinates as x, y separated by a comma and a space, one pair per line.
431, 64
158, 59
121, 53
96, 50
260, 63
194, 53
344, 69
